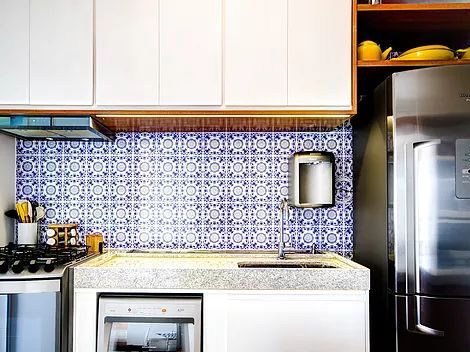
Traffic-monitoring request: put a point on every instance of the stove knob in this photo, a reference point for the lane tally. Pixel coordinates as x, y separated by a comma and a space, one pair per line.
49, 266
17, 266
33, 266
3, 267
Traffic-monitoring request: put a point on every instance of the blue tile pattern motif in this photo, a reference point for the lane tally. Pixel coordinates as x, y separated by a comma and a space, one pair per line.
214, 190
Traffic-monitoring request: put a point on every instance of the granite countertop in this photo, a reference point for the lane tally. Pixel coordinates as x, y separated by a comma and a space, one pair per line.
219, 271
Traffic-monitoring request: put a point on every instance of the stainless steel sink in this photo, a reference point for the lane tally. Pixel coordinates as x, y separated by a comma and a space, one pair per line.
287, 264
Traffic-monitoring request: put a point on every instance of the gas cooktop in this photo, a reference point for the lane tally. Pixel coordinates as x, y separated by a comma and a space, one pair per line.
43, 260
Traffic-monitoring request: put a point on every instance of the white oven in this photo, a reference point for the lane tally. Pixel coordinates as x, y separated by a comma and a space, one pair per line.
149, 323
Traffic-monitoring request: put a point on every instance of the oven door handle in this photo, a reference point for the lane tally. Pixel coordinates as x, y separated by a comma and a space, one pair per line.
150, 320
29, 286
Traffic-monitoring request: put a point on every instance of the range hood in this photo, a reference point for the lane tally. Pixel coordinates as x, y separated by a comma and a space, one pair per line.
70, 128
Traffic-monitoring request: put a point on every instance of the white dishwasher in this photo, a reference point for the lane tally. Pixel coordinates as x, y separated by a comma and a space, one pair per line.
149, 323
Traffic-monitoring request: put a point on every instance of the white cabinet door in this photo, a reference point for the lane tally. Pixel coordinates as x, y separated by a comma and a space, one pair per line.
286, 322
190, 52
14, 51
256, 52
126, 52
61, 52
320, 53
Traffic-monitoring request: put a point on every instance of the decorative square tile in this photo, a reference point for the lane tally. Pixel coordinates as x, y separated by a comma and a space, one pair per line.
191, 237
51, 189
74, 189
167, 237
145, 167
51, 147
214, 167
238, 143
75, 166
99, 190
261, 167
191, 166
98, 213
51, 166
27, 166
238, 214
191, 190
121, 166
237, 190
120, 190
75, 213
145, 190
98, 147
214, 238
167, 143
214, 143
238, 166
281, 166
167, 167
191, 144
214, 214
284, 143
144, 143
261, 144
144, 214
213, 190
24, 147
98, 166
72, 147
263, 238
192, 214
122, 145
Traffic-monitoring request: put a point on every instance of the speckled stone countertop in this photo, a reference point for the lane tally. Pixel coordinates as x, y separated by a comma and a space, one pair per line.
219, 271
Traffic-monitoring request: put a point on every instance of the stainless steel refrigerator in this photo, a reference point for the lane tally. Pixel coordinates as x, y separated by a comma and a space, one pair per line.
412, 209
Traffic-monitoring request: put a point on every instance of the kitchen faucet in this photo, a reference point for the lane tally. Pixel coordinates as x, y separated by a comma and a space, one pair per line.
281, 249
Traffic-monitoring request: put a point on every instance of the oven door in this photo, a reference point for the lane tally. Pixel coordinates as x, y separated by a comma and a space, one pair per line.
149, 324
30, 316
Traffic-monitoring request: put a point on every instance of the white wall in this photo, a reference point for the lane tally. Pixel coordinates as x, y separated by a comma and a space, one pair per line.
7, 187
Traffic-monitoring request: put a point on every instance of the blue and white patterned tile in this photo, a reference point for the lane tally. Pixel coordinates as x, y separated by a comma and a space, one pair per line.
191, 144
98, 147
214, 167
213, 190
27, 166
214, 143
237, 238
284, 143
191, 166
191, 237
167, 181
237, 190
74, 189
73, 148
261, 167
119, 190
74, 213
167, 167
261, 144
145, 167
238, 166
263, 238
51, 147
145, 190
75, 165
144, 143
238, 144
50, 167
98, 191
167, 143
123, 144
238, 214
214, 214
98, 166
98, 213
24, 147
51, 189
191, 190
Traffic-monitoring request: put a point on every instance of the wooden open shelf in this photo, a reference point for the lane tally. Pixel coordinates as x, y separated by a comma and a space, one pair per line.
414, 7
411, 63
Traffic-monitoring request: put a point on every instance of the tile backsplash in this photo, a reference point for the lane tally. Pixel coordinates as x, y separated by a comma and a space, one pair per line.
208, 190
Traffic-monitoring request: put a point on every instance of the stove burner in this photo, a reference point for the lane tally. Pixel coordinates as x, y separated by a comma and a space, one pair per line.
32, 257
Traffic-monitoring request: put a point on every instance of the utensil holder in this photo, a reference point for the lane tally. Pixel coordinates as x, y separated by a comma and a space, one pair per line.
27, 233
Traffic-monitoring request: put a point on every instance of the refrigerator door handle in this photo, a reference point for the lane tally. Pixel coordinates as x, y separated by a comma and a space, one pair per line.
411, 241
413, 321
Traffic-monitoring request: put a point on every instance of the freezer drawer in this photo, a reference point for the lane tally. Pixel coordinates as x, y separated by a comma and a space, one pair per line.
432, 324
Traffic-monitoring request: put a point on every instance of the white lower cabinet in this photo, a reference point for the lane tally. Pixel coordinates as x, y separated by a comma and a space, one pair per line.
258, 321
278, 322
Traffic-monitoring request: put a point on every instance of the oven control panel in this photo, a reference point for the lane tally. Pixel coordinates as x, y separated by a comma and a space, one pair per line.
462, 168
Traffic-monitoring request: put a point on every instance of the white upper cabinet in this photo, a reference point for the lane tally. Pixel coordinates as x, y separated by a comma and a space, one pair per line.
14, 51
61, 52
127, 52
256, 52
190, 52
319, 48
